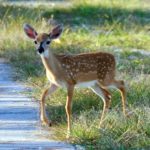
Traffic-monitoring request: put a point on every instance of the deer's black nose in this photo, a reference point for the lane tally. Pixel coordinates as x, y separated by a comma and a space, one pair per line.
40, 49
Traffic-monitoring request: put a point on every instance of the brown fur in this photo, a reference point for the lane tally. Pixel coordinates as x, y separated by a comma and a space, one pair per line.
87, 67
42, 37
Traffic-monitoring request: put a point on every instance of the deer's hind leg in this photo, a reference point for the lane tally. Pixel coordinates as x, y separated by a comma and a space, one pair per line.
119, 84
106, 97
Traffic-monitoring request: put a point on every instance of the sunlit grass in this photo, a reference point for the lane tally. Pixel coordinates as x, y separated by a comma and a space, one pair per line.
116, 26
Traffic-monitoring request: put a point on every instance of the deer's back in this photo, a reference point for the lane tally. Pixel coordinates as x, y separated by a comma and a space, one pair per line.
88, 66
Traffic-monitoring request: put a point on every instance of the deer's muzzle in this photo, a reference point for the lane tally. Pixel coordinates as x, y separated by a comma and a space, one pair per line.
40, 49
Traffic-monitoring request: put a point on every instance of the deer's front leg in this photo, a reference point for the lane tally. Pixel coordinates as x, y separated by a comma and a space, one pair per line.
43, 115
68, 108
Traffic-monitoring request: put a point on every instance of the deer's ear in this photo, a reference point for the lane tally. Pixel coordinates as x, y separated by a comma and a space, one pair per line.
30, 32
56, 32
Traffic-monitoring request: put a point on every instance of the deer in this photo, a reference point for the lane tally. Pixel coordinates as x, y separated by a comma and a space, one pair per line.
93, 70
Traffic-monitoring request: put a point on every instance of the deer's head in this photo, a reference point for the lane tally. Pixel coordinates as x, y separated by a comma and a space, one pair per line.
42, 40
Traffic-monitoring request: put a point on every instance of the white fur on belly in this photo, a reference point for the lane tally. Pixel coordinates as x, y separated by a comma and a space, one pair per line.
86, 84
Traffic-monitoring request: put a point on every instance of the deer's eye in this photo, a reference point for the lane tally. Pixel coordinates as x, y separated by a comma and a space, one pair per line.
48, 42
35, 42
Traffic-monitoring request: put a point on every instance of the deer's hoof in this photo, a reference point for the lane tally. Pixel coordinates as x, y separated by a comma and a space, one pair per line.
46, 122
68, 134
50, 124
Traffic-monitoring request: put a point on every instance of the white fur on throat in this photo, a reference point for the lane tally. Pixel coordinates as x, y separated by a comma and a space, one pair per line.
45, 53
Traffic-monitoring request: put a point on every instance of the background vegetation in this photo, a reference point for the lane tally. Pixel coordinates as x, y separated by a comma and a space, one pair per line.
121, 27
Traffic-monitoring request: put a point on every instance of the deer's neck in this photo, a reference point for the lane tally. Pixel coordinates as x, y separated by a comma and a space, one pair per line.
50, 62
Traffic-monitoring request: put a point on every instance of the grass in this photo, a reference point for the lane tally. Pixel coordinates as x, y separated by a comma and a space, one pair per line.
116, 26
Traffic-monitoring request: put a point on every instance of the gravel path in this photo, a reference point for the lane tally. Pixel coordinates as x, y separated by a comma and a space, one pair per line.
20, 127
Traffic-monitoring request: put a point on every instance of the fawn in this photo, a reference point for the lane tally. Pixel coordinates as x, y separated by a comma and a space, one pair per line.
93, 70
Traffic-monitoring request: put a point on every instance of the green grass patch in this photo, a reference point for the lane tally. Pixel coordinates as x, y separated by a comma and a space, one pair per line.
116, 26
